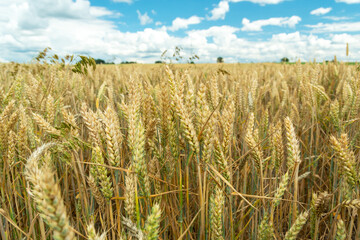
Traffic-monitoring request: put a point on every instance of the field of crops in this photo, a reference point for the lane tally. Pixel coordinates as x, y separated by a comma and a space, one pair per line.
213, 151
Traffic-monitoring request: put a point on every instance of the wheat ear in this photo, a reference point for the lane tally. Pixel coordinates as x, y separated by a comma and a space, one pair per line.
92, 235
46, 126
183, 113
101, 173
95, 191
345, 159
130, 184
340, 230
46, 193
297, 226
265, 231
112, 137
217, 202
293, 160
153, 223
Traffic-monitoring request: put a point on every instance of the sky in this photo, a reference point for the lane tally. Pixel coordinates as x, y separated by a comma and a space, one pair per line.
141, 30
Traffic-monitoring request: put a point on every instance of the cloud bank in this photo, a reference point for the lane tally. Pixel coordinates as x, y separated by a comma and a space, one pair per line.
26, 27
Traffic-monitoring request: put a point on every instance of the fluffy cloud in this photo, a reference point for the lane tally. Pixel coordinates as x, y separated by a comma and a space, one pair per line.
27, 26
348, 1
335, 27
183, 23
320, 11
222, 41
258, 24
220, 11
76, 29
345, 38
144, 18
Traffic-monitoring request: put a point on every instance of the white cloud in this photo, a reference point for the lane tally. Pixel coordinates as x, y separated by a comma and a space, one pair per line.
345, 38
336, 18
100, 12
348, 1
335, 27
320, 11
183, 23
222, 41
158, 23
220, 11
261, 2
144, 18
24, 31
3, 60
28, 26
123, 1
63, 9
258, 24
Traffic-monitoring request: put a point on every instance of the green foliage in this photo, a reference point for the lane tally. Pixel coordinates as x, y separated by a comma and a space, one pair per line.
100, 61
284, 60
219, 60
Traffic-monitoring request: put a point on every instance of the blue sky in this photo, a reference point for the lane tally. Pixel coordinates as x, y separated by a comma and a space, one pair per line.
140, 30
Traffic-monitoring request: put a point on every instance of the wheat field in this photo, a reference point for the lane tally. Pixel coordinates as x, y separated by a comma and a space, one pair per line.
205, 151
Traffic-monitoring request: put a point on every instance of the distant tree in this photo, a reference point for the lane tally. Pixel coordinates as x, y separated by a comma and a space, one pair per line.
159, 61
219, 60
284, 60
99, 61
128, 62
